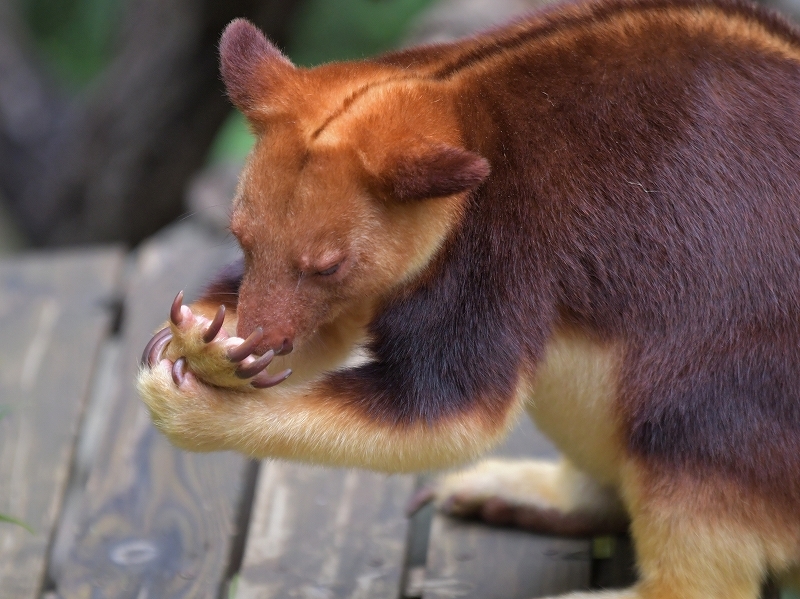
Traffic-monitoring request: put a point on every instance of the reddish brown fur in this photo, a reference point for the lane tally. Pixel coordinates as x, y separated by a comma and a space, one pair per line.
438, 171
246, 76
658, 206
626, 169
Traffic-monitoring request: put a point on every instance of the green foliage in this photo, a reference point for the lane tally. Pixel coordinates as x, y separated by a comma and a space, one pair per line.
4, 411
328, 30
233, 587
233, 142
10, 520
75, 36
789, 594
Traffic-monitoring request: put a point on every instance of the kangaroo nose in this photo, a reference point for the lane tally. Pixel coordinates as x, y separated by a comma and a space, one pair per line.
285, 347
281, 342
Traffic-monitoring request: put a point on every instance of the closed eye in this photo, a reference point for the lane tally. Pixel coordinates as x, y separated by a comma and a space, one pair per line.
329, 271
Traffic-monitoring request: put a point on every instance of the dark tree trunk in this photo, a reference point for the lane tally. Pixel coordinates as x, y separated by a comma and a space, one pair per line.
30, 105
113, 164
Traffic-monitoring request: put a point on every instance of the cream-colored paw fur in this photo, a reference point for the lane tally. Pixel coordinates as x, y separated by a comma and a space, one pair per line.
535, 484
192, 414
208, 362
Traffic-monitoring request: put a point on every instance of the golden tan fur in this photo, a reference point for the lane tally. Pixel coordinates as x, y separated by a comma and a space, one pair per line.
297, 422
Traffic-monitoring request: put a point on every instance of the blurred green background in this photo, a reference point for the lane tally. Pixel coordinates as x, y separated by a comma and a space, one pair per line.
75, 38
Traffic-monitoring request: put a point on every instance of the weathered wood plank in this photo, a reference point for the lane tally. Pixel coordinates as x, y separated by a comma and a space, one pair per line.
54, 314
155, 521
469, 560
325, 533
614, 565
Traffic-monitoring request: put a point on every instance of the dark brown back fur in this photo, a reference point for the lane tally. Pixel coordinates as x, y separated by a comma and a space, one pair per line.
645, 189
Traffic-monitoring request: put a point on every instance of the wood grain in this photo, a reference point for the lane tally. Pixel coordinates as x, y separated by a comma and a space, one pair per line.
474, 561
155, 522
325, 533
54, 314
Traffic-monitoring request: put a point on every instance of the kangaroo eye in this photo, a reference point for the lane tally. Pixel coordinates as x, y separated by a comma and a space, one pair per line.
329, 271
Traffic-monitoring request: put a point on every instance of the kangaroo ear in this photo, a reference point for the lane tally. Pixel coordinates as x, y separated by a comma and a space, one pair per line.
251, 66
434, 171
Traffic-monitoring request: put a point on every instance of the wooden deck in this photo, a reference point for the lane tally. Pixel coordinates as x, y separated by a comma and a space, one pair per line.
117, 512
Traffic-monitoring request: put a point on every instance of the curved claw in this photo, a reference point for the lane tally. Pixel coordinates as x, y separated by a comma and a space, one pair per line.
175, 311
419, 499
157, 353
263, 380
215, 325
259, 364
159, 342
179, 371
246, 347
146, 354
